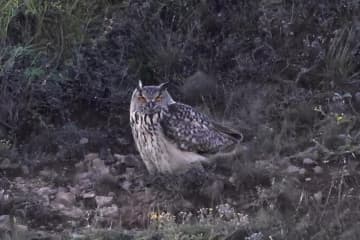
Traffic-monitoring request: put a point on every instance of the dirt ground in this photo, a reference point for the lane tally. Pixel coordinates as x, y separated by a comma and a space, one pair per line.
284, 73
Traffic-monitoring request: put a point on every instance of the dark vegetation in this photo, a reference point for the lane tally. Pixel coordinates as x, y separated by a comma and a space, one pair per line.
285, 73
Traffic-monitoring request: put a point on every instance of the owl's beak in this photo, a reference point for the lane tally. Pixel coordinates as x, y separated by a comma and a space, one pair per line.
151, 104
151, 107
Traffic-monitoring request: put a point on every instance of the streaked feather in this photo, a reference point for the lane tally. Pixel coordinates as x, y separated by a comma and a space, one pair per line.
193, 131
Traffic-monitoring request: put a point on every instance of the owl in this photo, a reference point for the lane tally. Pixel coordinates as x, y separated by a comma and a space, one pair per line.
172, 137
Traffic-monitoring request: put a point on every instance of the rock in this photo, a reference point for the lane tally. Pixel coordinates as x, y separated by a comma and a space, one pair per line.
91, 156
125, 185
318, 170
83, 176
308, 161
45, 193
302, 171
293, 169
25, 170
48, 174
119, 157
84, 140
10, 230
130, 171
102, 201
123, 141
65, 198
112, 211
6, 164
19, 180
256, 236
6, 223
232, 179
73, 212
318, 196
80, 166
88, 195
58, 206
21, 228
99, 167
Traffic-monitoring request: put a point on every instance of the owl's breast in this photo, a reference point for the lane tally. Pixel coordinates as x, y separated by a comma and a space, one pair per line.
145, 122
157, 152
146, 130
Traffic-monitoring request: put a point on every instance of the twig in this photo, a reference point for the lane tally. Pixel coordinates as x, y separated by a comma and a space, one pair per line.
7, 125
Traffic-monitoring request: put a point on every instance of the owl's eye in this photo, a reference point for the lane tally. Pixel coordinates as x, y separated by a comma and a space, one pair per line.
158, 98
142, 99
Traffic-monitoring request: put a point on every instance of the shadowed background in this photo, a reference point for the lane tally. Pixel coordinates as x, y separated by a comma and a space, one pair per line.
285, 73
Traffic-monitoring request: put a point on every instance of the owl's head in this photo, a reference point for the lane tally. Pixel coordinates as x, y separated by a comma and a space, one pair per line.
150, 99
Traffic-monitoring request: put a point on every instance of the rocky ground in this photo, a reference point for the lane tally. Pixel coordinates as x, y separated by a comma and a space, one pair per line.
284, 73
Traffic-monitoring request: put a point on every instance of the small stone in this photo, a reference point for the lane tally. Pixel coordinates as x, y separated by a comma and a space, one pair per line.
58, 206
318, 170
255, 236
123, 141
5, 223
232, 179
22, 228
82, 176
119, 157
19, 180
302, 171
347, 95
308, 179
46, 173
73, 212
130, 171
99, 166
65, 198
102, 201
25, 170
84, 140
45, 191
292, 169
7, 164
318, 196
112, 211
91, 156
308, 161
126, 185
88, 195
80, 166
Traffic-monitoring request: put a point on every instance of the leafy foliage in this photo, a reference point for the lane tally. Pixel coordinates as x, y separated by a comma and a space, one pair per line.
286, 73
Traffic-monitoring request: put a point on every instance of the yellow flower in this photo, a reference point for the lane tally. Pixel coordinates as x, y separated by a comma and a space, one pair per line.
340, 117
154, 216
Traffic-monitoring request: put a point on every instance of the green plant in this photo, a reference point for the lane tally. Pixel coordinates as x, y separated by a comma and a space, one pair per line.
340, 65
8, 9
57, 25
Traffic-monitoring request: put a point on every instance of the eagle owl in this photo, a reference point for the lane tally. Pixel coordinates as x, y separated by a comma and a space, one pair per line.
172, 136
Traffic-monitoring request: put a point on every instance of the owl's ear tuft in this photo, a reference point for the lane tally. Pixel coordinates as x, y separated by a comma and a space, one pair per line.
164, 86
139, 86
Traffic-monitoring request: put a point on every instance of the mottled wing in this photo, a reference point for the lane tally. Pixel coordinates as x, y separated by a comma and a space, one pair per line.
193, 131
